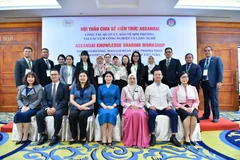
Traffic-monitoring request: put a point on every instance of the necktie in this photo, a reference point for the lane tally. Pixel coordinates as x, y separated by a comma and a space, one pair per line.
49, 67
187, 67
29, 64
207, 64
167, 63
54, 95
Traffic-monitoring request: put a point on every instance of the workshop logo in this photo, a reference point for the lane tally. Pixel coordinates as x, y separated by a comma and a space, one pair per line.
171, 22
68, 22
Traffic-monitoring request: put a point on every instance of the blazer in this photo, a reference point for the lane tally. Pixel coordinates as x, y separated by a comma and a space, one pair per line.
170, 74
40, 70
126, 98
62, 96
64, 74
140, 74
195, 74
19, 70
90, 71
147, 72
57, 67
215, 70
32, 99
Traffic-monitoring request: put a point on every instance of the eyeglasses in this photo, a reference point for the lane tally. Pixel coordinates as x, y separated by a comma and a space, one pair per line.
54, 75
184, 77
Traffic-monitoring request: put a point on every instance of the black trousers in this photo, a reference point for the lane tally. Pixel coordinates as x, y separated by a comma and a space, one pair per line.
40, 117
79, 117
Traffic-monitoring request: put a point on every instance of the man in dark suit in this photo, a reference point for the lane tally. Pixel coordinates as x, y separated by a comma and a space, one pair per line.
212, 75
55, 103
194, 70
42, 68
23, 66
170, 68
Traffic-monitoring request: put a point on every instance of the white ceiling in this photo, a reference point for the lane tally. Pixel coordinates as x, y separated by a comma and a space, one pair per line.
119, 8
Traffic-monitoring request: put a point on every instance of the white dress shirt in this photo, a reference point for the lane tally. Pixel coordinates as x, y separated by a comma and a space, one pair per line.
158, 96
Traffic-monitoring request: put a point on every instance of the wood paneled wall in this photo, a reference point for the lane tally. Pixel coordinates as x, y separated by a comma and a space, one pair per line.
14, 36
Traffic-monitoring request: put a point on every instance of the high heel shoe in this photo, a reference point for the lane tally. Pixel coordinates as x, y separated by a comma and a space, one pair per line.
72, 142
24, 141
18, 142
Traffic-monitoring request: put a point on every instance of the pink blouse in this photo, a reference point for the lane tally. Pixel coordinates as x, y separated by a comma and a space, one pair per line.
126, 98
191, 102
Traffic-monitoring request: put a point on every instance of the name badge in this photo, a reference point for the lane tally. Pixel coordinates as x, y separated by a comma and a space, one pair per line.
134, 103
150, 77
27, 70
205, 72
48, 73
100, 80
117, 76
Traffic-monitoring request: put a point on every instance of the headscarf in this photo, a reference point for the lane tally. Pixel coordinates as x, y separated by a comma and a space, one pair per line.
134, 86
151, 66
99, 68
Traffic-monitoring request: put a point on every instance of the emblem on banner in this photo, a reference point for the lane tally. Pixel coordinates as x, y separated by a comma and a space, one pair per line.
67, 22
171, 22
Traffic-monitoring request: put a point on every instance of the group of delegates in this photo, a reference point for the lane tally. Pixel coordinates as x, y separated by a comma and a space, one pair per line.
106, 88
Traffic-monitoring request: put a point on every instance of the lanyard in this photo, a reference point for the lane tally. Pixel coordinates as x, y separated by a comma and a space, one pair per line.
85, 66
29, 64
187, 67
69, 71
100, 73
135, 67
116, 68
133, 94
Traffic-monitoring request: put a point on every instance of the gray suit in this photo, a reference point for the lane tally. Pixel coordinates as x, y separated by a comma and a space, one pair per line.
20, 68
64, 74
32, 99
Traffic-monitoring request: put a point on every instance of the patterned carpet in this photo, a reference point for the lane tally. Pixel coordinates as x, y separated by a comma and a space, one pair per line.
215, 145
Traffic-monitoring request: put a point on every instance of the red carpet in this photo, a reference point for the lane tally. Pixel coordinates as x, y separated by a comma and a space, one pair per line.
223, 124
7, 128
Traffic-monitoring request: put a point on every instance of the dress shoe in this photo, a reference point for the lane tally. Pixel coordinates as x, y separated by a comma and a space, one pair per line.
174, 140
203, 118
24, 141
215, 120
153, 140
18, 142
193, 143
72, 142
54, 140
43, 139
187, 143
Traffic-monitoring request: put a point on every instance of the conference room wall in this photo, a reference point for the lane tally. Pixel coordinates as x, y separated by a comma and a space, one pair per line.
14, 36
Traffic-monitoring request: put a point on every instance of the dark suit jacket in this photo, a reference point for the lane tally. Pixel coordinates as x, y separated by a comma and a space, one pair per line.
19, 70
170, 74
40, 70
140, 74
62, 96
195, 74
215, 70
146, 73
90, 71
57, 67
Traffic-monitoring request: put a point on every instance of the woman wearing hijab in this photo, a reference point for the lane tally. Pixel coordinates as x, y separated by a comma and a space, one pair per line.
135, 129
99, 70
149, 69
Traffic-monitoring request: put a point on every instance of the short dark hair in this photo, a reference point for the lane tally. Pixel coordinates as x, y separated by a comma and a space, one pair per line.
208, 47
154, 70
54, 69
27, 47
107, 54
115, 57
168, 48
108, 72
188, 55
45, 49
28, 75
139, 55
180, 75
61, 55
87, 84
